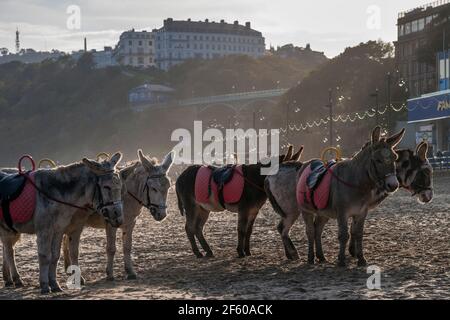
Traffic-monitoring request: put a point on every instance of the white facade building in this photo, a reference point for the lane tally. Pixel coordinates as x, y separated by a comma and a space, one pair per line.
178, 41
136, 48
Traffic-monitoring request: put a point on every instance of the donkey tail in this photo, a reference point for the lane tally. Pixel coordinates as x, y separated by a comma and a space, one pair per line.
272, 199
180, 202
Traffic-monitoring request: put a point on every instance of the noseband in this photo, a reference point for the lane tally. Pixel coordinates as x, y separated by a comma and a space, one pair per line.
418, 187
152, 207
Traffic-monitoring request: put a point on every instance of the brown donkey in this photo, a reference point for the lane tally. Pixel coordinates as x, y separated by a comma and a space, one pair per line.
252, 199
354, 187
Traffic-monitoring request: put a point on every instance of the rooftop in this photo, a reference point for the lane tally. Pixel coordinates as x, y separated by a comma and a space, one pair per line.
206, 26
424, 7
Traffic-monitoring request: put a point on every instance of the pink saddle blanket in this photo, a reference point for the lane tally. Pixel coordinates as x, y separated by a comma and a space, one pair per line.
317, 198
232, 191
22, 208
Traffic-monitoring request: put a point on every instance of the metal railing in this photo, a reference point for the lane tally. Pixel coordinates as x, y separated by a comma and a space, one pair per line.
434, 4
440, 163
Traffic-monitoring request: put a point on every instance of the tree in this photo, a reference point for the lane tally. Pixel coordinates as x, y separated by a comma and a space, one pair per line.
86, 62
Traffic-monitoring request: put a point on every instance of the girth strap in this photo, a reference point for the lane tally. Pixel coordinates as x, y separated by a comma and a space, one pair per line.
7, 215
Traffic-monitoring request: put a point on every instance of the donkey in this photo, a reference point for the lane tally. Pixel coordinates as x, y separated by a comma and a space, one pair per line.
147, 186
61, 193
252, 199
354, 185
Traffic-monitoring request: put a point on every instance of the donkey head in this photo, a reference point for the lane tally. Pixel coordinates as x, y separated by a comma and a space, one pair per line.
382, 168
414, 172
107, 198
154, 183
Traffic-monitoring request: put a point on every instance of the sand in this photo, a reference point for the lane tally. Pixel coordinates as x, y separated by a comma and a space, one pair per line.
408, 241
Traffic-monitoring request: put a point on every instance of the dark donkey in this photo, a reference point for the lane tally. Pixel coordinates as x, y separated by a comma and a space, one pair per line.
353, 191
251, 201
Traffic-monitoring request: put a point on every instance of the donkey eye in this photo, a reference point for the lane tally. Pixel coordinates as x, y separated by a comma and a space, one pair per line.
154, 189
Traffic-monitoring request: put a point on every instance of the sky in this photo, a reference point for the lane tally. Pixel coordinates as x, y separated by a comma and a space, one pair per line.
328, 25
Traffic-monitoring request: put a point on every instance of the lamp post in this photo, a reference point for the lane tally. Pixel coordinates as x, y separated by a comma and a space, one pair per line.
388, 95
377, 102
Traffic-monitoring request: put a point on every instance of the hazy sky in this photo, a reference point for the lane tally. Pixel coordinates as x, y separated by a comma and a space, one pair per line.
328, 25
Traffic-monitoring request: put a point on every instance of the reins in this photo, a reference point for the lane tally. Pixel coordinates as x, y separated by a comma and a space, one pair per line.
250, 182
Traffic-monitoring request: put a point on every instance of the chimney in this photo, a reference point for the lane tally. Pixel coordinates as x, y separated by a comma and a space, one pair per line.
206, 20
247, 25
189, 19
222, 21
85, 44
236, 22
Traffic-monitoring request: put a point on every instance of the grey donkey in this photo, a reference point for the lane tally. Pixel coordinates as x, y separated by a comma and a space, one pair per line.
147, 185
90, 184
355, 190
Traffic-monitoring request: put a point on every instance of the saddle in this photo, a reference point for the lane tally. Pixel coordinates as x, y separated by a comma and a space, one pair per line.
318, 170
17, 199
226, 184
11, 186
313, 187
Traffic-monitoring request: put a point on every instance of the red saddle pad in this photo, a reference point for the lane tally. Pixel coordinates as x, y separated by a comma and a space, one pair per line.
321, 194
22, 208
232, 191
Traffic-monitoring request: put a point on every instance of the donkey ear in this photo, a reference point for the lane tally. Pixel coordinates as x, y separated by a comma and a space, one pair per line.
115, 159
422, 150
394, 140
298, 154
143, 159
376, 134
168, 161
289, 153
93, 165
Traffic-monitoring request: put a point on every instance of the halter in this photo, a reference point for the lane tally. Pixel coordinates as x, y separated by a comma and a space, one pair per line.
421, 188
152, 207
100, 201
379, 181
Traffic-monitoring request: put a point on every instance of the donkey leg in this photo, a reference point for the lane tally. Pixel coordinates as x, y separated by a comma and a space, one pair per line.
284, 227
190, 227
343, 237
12, 261
250, 222
44, 241
110, 251
319, 224
310, 233
352, 242
73, 247
203, 216
5, 269
127, 240
358, 234
55, 254
242, 230
66, 253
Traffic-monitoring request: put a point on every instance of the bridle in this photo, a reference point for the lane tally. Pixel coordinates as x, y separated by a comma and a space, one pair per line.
99, 195
152, 207
380, 181
418, 188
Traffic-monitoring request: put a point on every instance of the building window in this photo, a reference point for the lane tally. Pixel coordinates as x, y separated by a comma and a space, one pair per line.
401, 30
130, 42
140, 43
187, 45
421, 24
195, 37
415, 25
150, 43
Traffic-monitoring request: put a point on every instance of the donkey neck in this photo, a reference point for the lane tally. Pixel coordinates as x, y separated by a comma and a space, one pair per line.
73, 183
356, 170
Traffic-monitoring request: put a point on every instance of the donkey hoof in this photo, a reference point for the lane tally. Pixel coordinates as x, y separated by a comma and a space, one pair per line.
362, 262
321, 260
351, 251
18, 283
45, 291
198, 255
109, 278
82, 281
241, 255
310, 261
341, 263
209, 255
132, 276
56, 289
9, 284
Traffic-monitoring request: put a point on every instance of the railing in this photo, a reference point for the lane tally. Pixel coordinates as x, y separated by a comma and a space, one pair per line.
434, 4
234, 97
440, 163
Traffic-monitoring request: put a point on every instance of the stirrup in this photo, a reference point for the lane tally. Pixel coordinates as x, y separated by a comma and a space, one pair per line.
337, 151
50, 161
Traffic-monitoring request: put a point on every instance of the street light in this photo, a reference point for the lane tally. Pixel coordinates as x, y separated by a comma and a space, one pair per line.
376, 96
